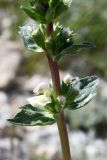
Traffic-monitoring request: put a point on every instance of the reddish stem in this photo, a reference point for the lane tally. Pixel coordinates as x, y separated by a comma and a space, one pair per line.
61, 123
54, 74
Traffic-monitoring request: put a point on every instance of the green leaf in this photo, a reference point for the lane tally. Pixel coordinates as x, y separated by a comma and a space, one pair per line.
50, 14
50, 107
31, 116
50, 45
69, 92
33, 14
40, 9
87, 91
73, 49
64, 88
62, 7
32, 2
89, 81
29, 42
71, 95
39, 36
89, 45
54, 3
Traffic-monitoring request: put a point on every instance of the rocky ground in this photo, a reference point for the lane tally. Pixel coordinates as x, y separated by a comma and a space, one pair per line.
38, 143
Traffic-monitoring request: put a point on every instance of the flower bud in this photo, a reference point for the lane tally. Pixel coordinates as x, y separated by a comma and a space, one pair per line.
66, 32
61, 100
68, 78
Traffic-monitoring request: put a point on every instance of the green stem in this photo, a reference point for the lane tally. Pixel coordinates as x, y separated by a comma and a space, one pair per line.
61, 123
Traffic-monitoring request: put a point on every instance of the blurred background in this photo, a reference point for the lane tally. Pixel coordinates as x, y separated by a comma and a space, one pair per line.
20, 72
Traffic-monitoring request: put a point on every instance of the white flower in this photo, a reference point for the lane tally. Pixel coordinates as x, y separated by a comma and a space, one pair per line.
41, 88
39, 101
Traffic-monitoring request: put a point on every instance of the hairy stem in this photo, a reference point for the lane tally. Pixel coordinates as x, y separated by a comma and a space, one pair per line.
54, 74
61, 123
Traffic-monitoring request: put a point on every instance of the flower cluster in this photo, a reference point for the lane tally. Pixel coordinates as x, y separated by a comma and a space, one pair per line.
43, 108
60, 43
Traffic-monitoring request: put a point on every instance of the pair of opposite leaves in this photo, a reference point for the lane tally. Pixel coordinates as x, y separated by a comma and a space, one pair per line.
43, 109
